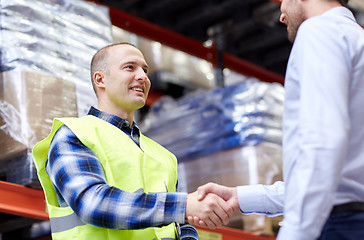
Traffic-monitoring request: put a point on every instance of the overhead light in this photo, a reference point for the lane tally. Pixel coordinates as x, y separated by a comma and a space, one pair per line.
208, 43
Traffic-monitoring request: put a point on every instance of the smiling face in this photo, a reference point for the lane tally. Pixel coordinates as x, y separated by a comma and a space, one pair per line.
124, 85
292, 15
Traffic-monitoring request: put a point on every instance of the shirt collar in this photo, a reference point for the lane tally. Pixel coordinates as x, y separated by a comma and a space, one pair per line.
341, 11
114, 120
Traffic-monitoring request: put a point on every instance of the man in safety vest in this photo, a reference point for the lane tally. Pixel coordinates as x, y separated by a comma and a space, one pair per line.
103, 179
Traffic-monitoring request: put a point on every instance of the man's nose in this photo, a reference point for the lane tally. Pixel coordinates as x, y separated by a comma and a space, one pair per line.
141, 74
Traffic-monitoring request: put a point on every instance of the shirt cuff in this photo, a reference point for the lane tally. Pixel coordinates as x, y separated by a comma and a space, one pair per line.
188, 232
178, 206
251, 199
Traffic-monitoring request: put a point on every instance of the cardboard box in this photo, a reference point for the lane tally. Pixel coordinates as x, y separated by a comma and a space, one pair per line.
28, 103
260, 164
238, 166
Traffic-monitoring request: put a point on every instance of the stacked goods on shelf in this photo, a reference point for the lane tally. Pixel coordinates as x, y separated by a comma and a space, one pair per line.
206, 122
231, 136
45, 52
170, 65
256, 164
29, 101
238, 166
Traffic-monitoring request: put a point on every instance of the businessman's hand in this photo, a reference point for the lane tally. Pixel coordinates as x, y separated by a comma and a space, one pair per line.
212, 210
228, 194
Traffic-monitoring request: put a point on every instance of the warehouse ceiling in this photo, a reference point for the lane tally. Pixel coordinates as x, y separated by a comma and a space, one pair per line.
248, 29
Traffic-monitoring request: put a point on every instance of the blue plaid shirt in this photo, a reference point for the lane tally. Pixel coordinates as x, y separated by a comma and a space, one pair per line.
79, 181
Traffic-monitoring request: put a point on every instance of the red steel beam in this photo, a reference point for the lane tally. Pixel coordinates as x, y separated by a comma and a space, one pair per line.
152, 97
277, 1
248, 69
22, 201
154, 32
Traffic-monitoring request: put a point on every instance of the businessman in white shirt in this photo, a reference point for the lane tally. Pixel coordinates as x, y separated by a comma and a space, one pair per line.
322, 196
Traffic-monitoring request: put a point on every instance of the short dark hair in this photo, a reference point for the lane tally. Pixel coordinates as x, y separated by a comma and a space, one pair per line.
99, 61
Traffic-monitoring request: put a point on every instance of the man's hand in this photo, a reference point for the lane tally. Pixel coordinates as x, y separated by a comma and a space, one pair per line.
212, 210
228, 194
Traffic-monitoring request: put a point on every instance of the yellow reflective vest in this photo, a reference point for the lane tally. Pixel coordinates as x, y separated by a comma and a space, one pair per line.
149, 167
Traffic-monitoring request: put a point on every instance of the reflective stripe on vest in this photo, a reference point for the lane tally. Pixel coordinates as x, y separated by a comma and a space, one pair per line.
60, 224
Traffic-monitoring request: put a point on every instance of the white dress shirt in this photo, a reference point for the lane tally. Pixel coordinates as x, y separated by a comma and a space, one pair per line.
323, 128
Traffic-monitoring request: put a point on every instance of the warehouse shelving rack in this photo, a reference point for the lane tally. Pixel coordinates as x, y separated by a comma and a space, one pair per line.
29, 204
154, 32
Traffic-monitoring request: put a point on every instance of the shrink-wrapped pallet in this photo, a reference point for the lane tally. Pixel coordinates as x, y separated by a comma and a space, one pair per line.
45, 50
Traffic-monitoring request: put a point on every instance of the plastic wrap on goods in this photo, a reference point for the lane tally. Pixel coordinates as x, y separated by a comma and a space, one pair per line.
45, 51
55, 37
207, 122
28, 103
260, 164
45, 43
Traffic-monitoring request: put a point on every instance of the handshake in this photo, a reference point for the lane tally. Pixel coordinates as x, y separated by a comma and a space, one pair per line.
212, 206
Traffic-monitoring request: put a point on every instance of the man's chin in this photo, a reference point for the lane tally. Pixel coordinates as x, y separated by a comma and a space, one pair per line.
139, 105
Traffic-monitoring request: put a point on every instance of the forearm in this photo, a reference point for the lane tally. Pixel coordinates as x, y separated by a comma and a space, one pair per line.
109, 207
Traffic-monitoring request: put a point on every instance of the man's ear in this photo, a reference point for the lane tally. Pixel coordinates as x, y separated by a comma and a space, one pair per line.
99, 80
